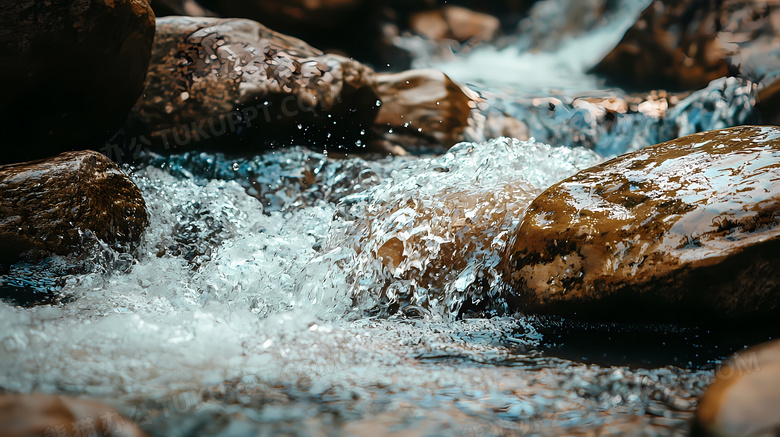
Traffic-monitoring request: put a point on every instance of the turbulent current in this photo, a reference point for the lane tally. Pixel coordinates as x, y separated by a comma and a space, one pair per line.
306, 294
247, 311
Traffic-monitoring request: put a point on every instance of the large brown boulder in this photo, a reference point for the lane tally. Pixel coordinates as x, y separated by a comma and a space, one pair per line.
70, 72
233, 85
744, 398
33, 415
685, 44
682, 229
50, 206
212, 80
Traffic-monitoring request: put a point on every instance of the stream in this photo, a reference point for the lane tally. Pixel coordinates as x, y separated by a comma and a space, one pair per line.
259, 301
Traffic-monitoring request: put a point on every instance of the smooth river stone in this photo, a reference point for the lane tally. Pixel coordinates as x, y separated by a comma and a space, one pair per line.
744, 398
234, 85
681, 230
49, 206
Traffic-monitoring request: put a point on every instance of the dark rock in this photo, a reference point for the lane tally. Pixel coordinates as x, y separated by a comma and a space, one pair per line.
685, 44
190, 8
685, 228
744, 398
768, 105
213, 80
27, 415
71, 72
234, 85
50, 206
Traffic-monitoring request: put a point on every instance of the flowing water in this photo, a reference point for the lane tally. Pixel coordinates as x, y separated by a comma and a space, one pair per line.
303, 294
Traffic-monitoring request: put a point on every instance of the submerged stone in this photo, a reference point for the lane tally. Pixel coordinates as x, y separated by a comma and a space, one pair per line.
744, 398
44, 414
54, 205
685, 228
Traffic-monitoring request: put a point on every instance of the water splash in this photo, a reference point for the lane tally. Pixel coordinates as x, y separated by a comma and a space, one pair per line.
432, 233
535, 65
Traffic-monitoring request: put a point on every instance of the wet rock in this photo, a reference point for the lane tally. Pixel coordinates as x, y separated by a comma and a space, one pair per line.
54, 205
23, 415
682, 229
71, 72
744, 398
456, 23
234, 85
689, 43
421, 107
214, 80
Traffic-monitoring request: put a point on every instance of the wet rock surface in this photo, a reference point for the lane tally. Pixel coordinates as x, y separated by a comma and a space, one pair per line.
215, 81
54, 206
421, 107
685, 225
28, 415
235, 85
744, 397
689, 43
71, 72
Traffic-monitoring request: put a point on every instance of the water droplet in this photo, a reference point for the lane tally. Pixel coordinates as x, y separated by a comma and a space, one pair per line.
378, 103
235, 166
